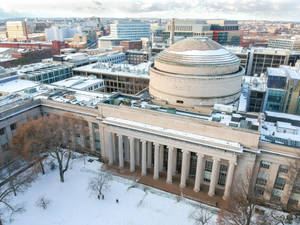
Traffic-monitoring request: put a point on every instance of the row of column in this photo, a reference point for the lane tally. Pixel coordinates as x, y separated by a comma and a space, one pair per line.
171, 167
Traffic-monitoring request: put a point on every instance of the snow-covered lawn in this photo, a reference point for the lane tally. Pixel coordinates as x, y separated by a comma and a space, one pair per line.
72, 202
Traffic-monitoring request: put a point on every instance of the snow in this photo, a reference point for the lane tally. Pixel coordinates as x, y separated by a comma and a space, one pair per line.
179, 133
17, 85
220, 51
71, 203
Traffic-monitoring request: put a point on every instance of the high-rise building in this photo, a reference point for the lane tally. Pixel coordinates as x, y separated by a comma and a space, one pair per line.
290, 44
16, 30
129, 30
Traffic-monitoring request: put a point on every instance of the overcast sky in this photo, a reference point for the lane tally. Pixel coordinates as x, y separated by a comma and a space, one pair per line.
228, 9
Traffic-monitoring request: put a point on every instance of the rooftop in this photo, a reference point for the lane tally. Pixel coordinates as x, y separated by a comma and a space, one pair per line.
140, 70
78, 82
223, 114
17, 85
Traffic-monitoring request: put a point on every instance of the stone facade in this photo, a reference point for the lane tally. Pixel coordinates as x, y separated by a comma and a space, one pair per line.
212, 156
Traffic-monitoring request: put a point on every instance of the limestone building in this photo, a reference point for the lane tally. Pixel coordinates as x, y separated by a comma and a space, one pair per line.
208, 153
196, 72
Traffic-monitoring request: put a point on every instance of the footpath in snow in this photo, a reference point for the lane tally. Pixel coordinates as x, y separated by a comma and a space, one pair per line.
71, 203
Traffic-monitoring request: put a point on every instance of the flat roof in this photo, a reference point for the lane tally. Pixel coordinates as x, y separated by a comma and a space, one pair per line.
138, 71
17, 85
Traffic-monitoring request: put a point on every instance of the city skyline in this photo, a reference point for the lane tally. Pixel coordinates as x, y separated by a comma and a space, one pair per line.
232, 9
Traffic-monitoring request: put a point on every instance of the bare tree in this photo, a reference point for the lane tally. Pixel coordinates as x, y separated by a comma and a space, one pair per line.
57, 136
202, 215
42, 202
20, 183
239, 209
100, 183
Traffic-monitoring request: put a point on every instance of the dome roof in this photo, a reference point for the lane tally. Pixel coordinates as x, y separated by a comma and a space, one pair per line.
197, 51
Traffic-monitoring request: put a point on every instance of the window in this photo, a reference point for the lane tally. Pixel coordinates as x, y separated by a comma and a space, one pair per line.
262, 178
207, 172
179, 101
276, 195
279, 183
222, 175
78, 139
265, 164
13, 126
259, 191
283, 169
95, 126
2, 131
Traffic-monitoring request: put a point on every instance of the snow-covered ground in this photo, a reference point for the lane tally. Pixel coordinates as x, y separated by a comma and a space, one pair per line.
73, 204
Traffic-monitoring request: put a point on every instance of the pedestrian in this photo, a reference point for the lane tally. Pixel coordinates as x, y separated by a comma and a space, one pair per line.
117, 200
98, 197
102, 197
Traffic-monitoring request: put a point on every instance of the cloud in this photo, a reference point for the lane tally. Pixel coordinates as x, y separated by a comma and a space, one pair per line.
231, 9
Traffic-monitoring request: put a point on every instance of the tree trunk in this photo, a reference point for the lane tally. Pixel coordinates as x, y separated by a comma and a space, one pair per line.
1, 222
61, 174
42, 167
249, 216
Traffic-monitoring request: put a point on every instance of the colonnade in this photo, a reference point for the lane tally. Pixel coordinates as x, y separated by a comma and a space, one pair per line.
118, 151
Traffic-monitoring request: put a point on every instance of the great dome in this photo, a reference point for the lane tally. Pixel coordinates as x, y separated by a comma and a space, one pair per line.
196, 72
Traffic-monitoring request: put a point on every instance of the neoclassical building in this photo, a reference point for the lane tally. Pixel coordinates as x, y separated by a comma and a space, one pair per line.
209, 151
196, 72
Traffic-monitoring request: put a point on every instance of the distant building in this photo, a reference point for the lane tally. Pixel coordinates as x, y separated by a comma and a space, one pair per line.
59, 33
90, 83
45, 73
225, 32
16, 30
129, 30
290, 44
190, 28
81, 59
137, 57
131, 45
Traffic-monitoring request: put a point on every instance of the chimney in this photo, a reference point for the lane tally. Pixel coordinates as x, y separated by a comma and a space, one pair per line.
172, 34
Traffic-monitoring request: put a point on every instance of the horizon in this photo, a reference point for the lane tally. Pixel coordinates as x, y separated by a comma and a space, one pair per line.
267, 10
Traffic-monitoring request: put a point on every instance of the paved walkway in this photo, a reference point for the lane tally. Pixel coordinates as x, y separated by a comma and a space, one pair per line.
174, 188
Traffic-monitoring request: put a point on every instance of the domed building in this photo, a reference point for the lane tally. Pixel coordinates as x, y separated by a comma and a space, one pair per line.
196, 72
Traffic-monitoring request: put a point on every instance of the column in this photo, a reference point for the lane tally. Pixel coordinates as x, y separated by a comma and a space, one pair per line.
144, 158
102, 141
156, 161
149, 154
114, 147
188, 164
121, 152
92, 138
170, 164
214, 177
174, 161
184, 168
199, 172
161, 157
137, 149
110, 148
132, 161
229, 178
126, 149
